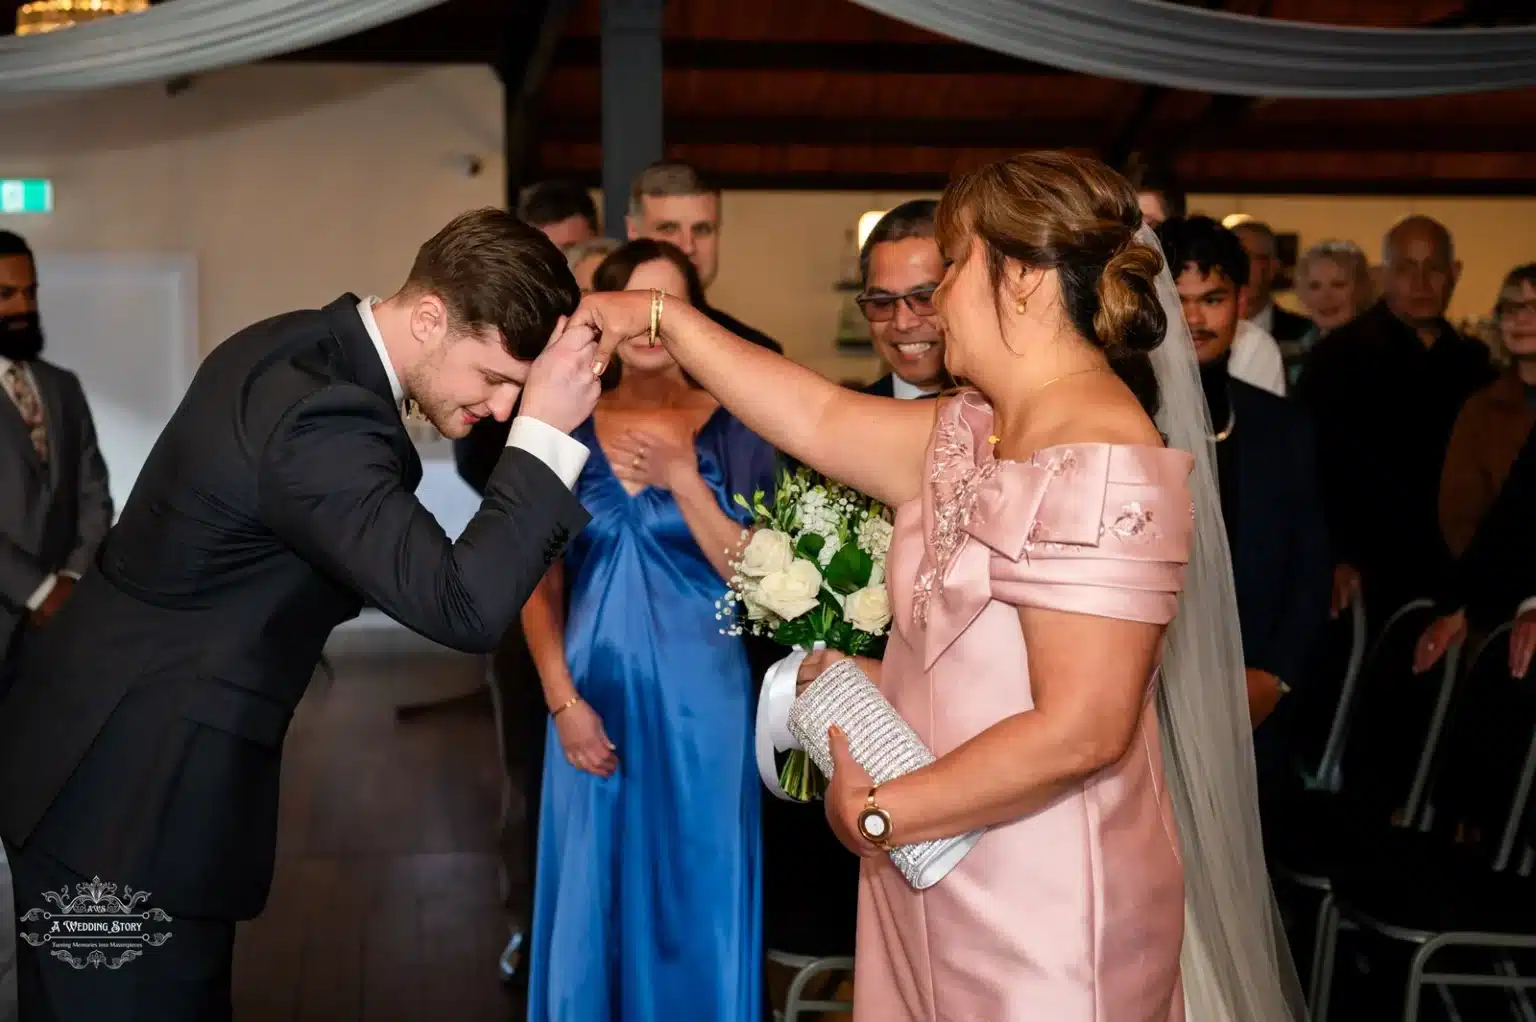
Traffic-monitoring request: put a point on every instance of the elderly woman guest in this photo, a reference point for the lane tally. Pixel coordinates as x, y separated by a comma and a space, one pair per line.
1333, 280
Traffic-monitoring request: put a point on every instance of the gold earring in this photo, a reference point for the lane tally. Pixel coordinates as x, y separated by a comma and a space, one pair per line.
1019, 308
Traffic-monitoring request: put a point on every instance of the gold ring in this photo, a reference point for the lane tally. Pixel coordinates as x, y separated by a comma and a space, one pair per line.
656, 303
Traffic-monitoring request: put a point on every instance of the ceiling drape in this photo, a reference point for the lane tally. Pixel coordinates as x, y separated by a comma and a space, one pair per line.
1152, 42
183, 37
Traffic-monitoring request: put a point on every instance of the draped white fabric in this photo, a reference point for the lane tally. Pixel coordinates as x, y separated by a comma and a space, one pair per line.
1156, 43
183, 37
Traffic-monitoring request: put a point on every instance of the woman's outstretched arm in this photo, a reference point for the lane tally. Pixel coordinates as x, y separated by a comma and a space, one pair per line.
875, 445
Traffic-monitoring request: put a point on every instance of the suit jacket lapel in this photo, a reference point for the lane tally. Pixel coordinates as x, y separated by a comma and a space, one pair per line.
357, 347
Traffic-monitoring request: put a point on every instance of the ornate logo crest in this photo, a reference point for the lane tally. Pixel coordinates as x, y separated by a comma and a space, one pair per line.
96, 927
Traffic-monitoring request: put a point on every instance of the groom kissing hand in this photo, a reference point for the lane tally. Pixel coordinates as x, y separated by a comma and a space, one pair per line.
142, 739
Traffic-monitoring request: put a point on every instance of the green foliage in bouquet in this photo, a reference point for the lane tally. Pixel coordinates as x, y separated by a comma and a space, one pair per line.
812, 572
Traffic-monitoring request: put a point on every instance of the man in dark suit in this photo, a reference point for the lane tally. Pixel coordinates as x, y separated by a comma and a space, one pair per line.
1384, 391
1264, 461
142, 739
56, 506
902, 266
1258, 241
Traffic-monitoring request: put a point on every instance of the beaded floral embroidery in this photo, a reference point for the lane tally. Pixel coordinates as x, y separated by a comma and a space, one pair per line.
1134, 523
957, 483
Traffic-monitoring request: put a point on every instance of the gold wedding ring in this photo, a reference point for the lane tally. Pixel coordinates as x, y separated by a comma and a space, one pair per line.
657, 296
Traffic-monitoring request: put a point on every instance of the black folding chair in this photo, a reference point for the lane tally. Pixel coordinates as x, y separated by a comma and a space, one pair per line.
1453, 888
1376, 793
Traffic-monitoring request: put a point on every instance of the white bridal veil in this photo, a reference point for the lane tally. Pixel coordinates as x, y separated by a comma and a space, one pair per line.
1236, 963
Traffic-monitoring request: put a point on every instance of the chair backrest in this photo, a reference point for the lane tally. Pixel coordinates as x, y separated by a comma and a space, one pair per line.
1487, 767
1325, 704
1390, 729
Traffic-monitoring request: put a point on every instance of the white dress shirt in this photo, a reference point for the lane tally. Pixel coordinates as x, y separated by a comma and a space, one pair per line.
1256, 359
1264, 319
905, 391
565, 457
46, 586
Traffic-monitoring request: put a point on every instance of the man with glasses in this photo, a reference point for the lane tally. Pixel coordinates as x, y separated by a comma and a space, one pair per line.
901, 267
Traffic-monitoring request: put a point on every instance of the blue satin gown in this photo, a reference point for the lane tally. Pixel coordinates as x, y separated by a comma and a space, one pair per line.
648, 906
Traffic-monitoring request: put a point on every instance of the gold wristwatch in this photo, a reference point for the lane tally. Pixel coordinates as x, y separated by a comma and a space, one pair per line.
875, 822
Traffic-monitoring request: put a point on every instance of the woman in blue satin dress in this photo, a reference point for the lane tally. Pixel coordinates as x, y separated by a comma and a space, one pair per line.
648, 904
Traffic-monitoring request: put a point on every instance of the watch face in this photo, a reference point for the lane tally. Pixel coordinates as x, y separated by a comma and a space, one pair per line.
874, 824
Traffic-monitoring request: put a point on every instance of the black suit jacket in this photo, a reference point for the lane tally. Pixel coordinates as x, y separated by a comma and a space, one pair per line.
1280, 554
1383, 406
53, 515
1286, 326
1281, 564
142, 740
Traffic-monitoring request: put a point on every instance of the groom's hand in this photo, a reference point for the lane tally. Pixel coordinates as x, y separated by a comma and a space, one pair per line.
561, 389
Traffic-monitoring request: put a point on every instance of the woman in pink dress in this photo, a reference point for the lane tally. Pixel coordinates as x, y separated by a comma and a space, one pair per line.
1043, 538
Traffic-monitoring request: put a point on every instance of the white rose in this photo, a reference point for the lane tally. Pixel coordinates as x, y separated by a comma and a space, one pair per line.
767, 551
792, 592
868, 609
755, 610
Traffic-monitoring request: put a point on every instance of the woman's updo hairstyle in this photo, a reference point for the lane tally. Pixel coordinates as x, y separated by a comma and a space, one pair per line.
1071, 214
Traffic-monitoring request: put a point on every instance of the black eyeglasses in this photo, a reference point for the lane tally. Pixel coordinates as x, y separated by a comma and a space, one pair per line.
1514, 306
879, 308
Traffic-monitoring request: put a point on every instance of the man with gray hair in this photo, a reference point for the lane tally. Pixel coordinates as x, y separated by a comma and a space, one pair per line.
1384, 391
1263, 264
673, 202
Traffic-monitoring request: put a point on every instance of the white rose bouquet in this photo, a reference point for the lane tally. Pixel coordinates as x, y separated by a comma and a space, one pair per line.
812, 576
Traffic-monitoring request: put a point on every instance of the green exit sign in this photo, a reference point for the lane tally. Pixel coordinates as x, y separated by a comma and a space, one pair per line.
26, 195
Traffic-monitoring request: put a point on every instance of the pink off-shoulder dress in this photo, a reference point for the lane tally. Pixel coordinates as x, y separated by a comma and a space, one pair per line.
1073, 913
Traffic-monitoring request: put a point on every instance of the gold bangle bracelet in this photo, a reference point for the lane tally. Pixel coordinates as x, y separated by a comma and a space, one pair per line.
565, 706
657, 299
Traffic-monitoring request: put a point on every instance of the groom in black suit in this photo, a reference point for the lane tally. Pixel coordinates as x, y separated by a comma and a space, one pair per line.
142, 740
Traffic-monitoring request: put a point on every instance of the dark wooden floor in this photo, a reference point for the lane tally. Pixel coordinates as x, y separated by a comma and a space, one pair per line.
385, 905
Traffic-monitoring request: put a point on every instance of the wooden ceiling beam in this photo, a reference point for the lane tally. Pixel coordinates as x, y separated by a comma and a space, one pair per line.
1039, 133
877, 180
421, 40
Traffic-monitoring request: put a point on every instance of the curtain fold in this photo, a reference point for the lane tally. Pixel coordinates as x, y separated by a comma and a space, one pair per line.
183, 37
1152, 42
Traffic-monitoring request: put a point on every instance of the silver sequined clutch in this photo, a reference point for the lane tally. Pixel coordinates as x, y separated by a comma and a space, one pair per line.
883, 744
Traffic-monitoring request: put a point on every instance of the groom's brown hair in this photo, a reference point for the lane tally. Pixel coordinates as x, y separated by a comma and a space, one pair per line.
493, 270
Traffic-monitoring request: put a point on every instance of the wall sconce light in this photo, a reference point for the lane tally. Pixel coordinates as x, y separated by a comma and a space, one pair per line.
1234, 220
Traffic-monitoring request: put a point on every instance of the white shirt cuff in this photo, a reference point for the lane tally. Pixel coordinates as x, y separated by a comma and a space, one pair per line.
566, 457
41, 592
1529, 604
